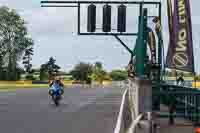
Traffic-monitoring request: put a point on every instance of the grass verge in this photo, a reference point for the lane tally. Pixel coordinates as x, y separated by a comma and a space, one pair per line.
24, 86
14, 87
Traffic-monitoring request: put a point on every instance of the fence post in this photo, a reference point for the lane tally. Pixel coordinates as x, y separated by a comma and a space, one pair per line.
193, 107
197, 108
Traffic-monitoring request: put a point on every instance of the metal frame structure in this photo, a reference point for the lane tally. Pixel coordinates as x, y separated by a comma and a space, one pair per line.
140, 43
78, 4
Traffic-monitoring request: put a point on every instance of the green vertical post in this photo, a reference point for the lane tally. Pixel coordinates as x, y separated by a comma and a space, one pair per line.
197, 109
193, 109
141, 43
160, 44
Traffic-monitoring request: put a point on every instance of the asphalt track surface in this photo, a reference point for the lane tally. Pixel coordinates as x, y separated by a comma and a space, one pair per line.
82, 110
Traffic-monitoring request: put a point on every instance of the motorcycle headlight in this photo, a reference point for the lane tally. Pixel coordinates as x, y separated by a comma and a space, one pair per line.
60, 92
50, 92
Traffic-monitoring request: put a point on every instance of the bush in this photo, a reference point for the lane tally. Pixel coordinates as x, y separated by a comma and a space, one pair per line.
88, 81
3, 75
43, 75
118, 75
30, 77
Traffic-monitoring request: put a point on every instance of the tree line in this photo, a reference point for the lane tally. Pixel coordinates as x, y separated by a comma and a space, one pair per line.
84, 72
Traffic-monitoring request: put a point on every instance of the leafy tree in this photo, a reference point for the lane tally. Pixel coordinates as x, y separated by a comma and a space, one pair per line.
118, 75
98, 65
27, 63
27, 59
51, 67
14, 40
30, 75
82, 71
2, 69
43, 72
2, 55
98, 73
2, 73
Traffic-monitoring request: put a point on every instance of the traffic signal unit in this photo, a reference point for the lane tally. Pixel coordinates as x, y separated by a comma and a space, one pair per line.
106, 25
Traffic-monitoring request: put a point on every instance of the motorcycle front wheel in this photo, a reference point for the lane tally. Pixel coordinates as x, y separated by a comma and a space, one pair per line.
56, 100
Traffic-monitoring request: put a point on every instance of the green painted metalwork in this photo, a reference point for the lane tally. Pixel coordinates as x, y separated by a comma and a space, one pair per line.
141, 43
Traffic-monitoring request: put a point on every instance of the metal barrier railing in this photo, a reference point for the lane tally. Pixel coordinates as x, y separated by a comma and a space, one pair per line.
186, 101
120, 128
129, 116
132, 128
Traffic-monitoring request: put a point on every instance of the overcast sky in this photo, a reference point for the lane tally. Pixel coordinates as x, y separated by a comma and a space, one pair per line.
54, 33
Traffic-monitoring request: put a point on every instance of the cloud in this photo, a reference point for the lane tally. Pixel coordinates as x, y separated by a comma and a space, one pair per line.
50, 21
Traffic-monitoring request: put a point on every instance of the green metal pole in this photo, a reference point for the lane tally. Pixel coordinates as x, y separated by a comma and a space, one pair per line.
160, 44
141, 43
197, 108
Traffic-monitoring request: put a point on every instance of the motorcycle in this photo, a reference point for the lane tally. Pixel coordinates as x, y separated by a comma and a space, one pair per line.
56, 92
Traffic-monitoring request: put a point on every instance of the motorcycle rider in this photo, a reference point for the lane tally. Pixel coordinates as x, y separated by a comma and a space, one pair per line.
57, 81
58, 85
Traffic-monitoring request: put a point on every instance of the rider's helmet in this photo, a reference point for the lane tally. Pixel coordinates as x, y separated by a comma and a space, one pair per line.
56, 79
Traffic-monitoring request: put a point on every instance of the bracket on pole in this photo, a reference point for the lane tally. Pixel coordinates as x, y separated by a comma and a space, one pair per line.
123, 44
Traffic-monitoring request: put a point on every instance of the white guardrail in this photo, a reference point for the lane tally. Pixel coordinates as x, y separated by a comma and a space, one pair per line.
132, 128
127, 120
120, 120
118, 128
